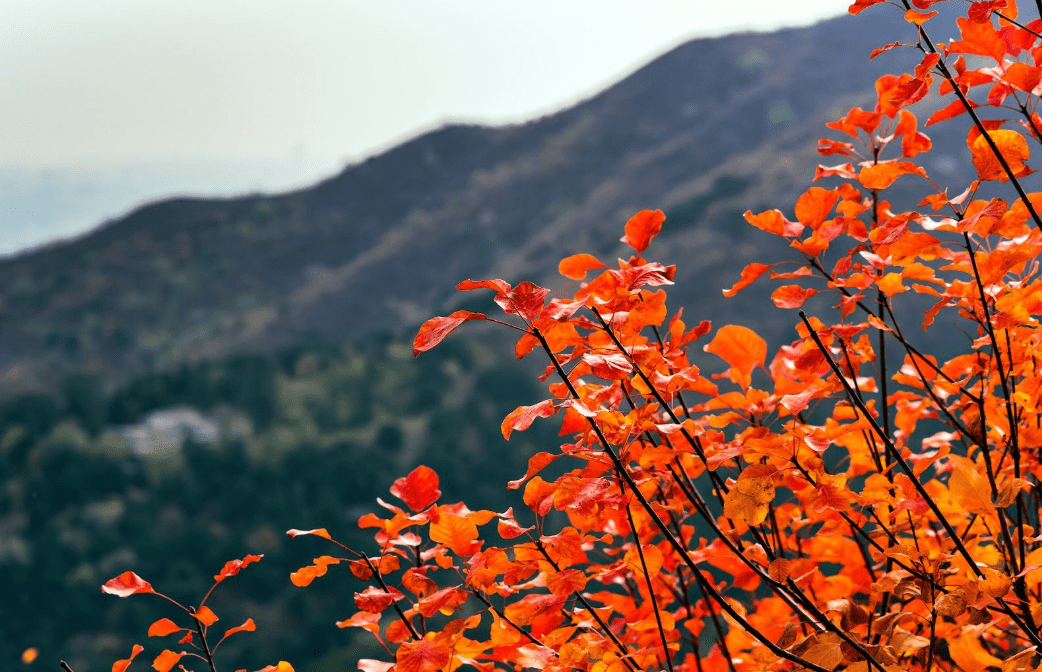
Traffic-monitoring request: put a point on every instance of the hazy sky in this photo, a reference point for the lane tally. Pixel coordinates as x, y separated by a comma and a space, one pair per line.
126, 81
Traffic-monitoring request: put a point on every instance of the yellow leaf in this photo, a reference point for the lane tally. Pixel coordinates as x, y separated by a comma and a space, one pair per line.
970, 488
968, 654
1012, 146
751, 496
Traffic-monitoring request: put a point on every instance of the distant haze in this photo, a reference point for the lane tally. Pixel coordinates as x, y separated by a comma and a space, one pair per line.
112, 86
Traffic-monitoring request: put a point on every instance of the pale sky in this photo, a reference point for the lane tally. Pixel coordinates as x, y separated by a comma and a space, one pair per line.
130, 81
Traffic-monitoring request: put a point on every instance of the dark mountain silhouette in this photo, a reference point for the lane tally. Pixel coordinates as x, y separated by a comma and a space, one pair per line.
711, 129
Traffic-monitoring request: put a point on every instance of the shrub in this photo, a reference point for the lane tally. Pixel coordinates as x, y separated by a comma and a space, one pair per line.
853, 501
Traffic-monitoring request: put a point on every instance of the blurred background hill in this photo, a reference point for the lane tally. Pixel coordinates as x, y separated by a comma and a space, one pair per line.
184, 383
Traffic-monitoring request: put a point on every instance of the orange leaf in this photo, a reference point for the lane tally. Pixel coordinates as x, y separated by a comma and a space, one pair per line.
419, 489
454, 531
127, 584
970, 489
396, 632
968, 654
1023, 76
205, 616
319, 532
740, 347
772, 221
363, 619
890, 284
122, 665
165, 661
1012, 146
750, 497
304, 576
813, 207
162, 627
536, 463
521, 417
791, 296
882, 175
750, 274
248, 626
282, 666
577, 265
422, 656
778, 570
919, 18
950, 110
436, 329
642, 227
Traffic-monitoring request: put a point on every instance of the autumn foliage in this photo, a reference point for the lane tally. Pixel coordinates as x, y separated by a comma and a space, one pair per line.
850, 501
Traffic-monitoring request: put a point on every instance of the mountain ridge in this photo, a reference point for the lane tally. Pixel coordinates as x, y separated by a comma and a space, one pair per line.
705, 131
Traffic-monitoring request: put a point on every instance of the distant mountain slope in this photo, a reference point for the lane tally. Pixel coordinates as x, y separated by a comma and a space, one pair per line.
704, 132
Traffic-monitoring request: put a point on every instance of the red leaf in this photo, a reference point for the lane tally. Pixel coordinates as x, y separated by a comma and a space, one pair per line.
861, 5
876, 52
613, 366
525, 300
436, 329
521, 417
642, 227
577, 265
232, 567
162, 627
500, 286
980, 12
374, 600
653, 274
127, 584
122, 665
446, 601
419, 489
